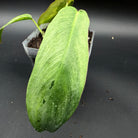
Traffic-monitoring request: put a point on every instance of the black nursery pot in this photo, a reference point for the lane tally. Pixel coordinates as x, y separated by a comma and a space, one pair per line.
32, 52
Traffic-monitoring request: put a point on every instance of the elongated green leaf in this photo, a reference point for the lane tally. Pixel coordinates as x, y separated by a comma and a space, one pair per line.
17, 19
52, 10
59, 74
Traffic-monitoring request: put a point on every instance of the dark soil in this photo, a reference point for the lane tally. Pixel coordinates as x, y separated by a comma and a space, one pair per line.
89, 38
35, 42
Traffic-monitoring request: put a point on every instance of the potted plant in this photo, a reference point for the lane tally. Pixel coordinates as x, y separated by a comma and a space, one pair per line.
59, 49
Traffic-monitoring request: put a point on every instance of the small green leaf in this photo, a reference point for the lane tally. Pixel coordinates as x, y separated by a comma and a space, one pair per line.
59, 74
17, 19
52, 10
0, 34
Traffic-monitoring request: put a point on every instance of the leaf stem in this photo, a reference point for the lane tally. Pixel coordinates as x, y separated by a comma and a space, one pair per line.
67, 4
38, 27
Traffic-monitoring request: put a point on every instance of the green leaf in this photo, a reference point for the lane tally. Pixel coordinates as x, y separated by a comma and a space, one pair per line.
59, 74
52, 10
17, 19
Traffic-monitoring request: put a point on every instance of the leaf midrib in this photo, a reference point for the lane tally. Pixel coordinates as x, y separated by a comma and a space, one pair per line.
68, 44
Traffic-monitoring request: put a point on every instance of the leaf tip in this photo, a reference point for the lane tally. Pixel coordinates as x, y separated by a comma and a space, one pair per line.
0, 35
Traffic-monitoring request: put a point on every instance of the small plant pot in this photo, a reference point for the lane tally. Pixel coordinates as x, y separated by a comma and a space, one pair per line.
32, 52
